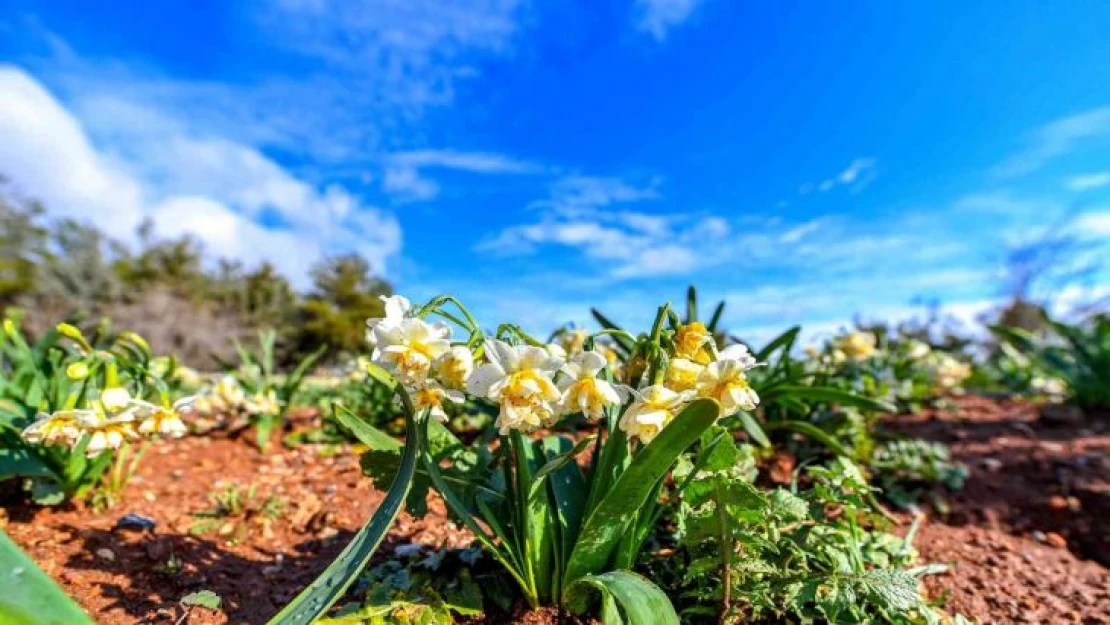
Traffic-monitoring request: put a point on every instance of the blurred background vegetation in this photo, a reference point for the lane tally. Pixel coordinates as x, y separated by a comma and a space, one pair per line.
170, 292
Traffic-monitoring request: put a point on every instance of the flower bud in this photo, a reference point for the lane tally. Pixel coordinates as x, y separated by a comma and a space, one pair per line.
77, 371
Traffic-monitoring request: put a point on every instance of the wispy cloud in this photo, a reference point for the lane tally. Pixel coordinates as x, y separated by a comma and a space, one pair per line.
1055, 139
658, 17
857, 175
1087, 182
406, 178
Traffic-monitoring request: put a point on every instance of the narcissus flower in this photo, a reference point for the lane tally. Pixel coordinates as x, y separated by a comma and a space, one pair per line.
167, 421
573, 341
582, 390
430, 396
682, 374
519, 379
453, 369
60, 428
263, 404
397, 309
949, 373
918, 350
651, 410
690, 342
111, 421
857, 345
408, 349
725, 381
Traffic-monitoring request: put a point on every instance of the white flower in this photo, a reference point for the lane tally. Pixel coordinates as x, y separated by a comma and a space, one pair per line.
573, 341
519, 379
430, 396
60, 428
682, 374
454, 368
167, 421
263, 404
111, 422
556, 351
739, 353
397, 308
582, 390
651, 411
918, 350
725, 381
857, 345
409, 348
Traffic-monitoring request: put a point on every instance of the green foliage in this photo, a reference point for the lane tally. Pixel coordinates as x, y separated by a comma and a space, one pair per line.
748, 555
318, 597
905, 470
30, 597
1078, 354
60, 372
257, 374
415, 588
202, 598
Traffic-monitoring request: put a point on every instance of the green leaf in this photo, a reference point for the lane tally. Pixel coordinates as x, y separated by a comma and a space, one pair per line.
752, 427
366, 434
691, 305
333, 582
608, 521
21, 462
831, 395
641, 601
716, 318
626, 344
30, 597
202, 598
808, 429
786, 340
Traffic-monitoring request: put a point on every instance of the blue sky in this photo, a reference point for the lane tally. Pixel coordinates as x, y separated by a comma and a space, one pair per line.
807, 162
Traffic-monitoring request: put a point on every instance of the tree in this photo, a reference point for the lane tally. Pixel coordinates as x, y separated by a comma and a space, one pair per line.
344, 296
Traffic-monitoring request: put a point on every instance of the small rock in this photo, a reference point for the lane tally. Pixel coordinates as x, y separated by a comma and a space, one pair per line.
1052, 539
991, 464
177, 474
106, 554
1039, 536
1056, 502
132, 521
326, 533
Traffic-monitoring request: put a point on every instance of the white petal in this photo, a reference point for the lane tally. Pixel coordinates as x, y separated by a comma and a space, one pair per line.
502, 354
482, 380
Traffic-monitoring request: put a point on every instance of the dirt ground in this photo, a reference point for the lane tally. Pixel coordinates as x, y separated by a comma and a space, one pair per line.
1026, 540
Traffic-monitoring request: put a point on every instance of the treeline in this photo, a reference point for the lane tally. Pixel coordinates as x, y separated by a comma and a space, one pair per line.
168, 291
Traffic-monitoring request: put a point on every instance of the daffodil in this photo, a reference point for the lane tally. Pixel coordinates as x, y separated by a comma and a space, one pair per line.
682, 374
740, 354
430, 396
60, 428
397, 308
918, 350
167, 421
263, 403
519, 379
409, 348
453, 369
690, 342
228, 394
949, 373
857, 345
582, 390
111, 421
727, 382
573, 341
651, 410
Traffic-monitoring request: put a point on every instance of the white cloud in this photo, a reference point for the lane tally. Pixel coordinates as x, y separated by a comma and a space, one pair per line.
1056, 139
857, 174
801, 231
658, 17
1087, 182
405, 179
584, 213
222, 192
45, 152
1093, 224
475, 162
407, 185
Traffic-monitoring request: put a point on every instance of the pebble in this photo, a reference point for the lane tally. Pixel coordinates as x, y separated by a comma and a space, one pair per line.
106, 554
1052, 539
991, 464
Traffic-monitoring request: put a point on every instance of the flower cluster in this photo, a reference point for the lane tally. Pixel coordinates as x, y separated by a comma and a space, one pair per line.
227, 397
535, 384
695, 370
110, 420
948, 373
